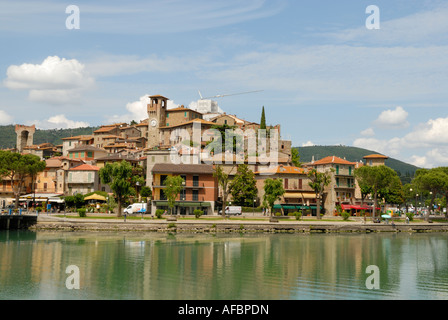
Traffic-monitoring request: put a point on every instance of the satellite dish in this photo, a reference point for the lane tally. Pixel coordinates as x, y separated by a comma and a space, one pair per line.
227, 95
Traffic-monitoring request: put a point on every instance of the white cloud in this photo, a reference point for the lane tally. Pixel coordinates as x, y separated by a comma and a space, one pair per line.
54, 81
137, 111
430, 137
308, 144
419, 161
59, 122
431, 133
433, 158
369, 132
5, 118
393, 119
390, 147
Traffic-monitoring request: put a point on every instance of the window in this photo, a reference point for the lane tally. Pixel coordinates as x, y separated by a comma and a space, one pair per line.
337, 169
90, 154
45, 186
300, 183
195, 195
167, 115
183, 195
185, 114
337, 182
195, 181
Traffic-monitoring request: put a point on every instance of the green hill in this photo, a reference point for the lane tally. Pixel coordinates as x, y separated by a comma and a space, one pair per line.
405, 171
8, 136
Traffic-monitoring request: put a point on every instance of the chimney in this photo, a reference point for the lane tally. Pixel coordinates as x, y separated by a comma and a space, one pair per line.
312, 159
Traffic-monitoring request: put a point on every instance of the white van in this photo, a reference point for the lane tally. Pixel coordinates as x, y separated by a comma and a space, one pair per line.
233, 210
135, 208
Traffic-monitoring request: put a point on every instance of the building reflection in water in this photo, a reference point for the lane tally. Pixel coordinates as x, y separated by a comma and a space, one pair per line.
238, 267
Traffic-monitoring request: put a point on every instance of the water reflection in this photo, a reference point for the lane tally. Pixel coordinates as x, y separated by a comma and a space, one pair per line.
237, 267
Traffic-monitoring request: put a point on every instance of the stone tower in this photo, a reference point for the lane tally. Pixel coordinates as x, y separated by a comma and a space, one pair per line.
157, 119
25, 136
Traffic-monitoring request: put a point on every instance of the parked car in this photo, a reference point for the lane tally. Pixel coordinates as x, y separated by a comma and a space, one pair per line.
232, 210
135, 208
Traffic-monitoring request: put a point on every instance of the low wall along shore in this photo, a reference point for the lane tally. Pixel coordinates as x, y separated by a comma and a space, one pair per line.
227, 226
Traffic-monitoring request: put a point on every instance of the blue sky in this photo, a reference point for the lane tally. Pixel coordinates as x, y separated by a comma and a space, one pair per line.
326, 78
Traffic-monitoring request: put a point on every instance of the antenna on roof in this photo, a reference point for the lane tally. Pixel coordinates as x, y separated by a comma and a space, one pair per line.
227, 95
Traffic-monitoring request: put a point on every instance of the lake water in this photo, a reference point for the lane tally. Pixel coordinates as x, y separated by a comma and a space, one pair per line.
33, 265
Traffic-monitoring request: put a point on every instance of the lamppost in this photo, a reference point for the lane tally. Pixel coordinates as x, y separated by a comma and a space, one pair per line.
253, 208
416, 197
137, 184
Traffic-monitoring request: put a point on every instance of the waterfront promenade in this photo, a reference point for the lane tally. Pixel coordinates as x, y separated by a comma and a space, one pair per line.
245, 224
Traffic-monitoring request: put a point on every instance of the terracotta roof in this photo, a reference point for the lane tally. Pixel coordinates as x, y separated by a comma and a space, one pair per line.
53, 163
182, 168
158, 96
85, 167
77, 138
182, 109
376, 156
117, 156
82, 147
283, 170
105, 129
202, 121
332, 159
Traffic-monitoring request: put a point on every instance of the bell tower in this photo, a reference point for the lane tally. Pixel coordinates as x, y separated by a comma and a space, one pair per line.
157, 119
25, 136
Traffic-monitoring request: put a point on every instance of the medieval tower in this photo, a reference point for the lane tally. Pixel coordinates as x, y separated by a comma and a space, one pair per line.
25, 136
157, 119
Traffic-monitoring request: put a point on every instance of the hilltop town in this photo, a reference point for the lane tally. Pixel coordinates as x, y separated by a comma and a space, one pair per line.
73, 167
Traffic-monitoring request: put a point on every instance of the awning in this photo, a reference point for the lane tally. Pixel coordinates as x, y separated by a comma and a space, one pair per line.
161, 203
355, 207
183, 204
291, 207
95, 197
295, 195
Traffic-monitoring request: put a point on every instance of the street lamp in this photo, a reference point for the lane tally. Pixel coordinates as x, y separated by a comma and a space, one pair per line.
253, 208
416, 196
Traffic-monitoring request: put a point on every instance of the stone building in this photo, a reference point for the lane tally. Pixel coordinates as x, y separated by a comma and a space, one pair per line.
25, 135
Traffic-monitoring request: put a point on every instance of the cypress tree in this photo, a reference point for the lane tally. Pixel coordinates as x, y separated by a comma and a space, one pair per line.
263, 120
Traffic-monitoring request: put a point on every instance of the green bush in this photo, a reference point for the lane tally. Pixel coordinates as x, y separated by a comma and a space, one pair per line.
82, 212
278, 214
345, 215
410, 215
159, 213
198, 213
298, 215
